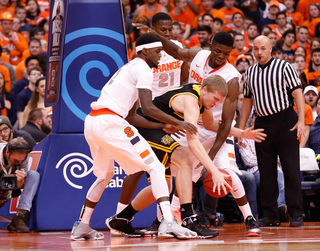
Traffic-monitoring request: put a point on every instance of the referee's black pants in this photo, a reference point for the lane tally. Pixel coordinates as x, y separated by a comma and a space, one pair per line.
283, 142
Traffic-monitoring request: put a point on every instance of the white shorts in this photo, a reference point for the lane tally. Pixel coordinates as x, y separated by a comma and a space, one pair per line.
110, 138
224, 159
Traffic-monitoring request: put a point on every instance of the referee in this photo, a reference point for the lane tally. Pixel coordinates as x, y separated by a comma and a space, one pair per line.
271, 86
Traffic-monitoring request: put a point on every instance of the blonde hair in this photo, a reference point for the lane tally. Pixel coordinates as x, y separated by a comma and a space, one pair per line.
216, 83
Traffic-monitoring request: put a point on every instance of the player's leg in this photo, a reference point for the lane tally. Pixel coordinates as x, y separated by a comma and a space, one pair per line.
156, 170
181, 159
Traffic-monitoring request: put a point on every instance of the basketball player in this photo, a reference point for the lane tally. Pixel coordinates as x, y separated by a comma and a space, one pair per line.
169, 74
203, 64
184, 103
111, 137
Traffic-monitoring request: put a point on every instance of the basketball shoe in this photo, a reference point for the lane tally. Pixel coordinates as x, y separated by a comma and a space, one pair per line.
123, 226
82, 231
193, 224
252, 226
173, 229
153, 229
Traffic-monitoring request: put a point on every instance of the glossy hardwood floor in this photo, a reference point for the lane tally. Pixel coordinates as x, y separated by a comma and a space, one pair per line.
232, 237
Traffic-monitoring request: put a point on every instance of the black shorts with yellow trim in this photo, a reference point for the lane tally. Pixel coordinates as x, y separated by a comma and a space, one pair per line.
163, 146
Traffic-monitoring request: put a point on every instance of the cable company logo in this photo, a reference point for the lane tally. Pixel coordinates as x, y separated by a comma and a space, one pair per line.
75, 166
75, 161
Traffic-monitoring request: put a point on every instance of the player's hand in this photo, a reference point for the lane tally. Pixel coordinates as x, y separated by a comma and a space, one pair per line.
241, 143
21, 174
188, 127
170, 129
219, 182
300, 129
256, 134
144, 27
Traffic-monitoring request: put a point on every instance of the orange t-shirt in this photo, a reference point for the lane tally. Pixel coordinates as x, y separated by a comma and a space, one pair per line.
233, 58
190, 12
295, 17
182, 18
228, 16
303, 7
308, 119
307, 47
6, 75
312, 27
215, 13
149, 15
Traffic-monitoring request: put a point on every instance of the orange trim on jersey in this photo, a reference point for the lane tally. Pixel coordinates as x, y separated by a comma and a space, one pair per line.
102, 111
218, 67
231, 155
144, 154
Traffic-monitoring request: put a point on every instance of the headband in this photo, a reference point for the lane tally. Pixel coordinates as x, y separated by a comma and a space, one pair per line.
148, 46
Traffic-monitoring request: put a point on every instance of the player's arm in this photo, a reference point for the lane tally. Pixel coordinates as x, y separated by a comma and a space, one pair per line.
188, 106
228, 112
149, 109
184, 73
171, 48
213, 125
299, 101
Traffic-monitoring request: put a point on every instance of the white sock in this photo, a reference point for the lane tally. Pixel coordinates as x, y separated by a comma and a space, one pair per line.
120, 207
166, 211
245, 210
175, 203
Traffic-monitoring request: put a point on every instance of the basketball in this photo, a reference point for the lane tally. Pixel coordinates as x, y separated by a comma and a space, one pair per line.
208, 185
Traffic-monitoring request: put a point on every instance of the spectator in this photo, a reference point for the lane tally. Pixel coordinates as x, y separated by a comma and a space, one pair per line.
315, 43
31, 62
289, 38
277, 52
252, 33
281, 20
38, 33
314, 13
8, 72
37, 100
4, 7
302, 39
208, 8
252, 9
238, 49
14, 154
24, 96
217, 26
229, 10
300, 51
7, 102
311, 76
206, 19
177, 34
303, 7
148, 9
242, 64
204, 36
265, 30
11, 40
33, 11
310, 94
34, 49
300, 60
293, 16
178, 14
21, 14
38, 124
314, 137
270, 19
273, 38
238, 23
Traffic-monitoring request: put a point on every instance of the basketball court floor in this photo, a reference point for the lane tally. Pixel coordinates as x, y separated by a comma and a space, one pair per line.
232, 237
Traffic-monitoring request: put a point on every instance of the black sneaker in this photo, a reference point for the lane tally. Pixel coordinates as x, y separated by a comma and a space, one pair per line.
123, 226
153, 229
18, 224
296, 221
252, 226
193, 224
268, 222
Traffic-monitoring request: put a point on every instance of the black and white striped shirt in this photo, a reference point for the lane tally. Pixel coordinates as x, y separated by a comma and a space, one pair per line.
270, 86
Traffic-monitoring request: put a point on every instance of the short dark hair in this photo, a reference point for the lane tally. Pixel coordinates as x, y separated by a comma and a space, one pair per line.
160, 16
204, 28
315, 50
236, 14
30, 58
219, 20
35, 113
276, 49
287, 32
223, 38
207, 14
281, 13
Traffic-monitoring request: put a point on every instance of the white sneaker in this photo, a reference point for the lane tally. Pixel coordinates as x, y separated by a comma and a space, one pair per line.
173, 229
82, 231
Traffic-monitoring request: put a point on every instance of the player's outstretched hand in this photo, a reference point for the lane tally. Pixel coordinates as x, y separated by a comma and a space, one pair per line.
256, 134
144, 27
219, 182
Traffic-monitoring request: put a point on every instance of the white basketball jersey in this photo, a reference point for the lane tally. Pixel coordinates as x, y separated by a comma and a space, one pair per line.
121, 91
200, 70
167, 75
